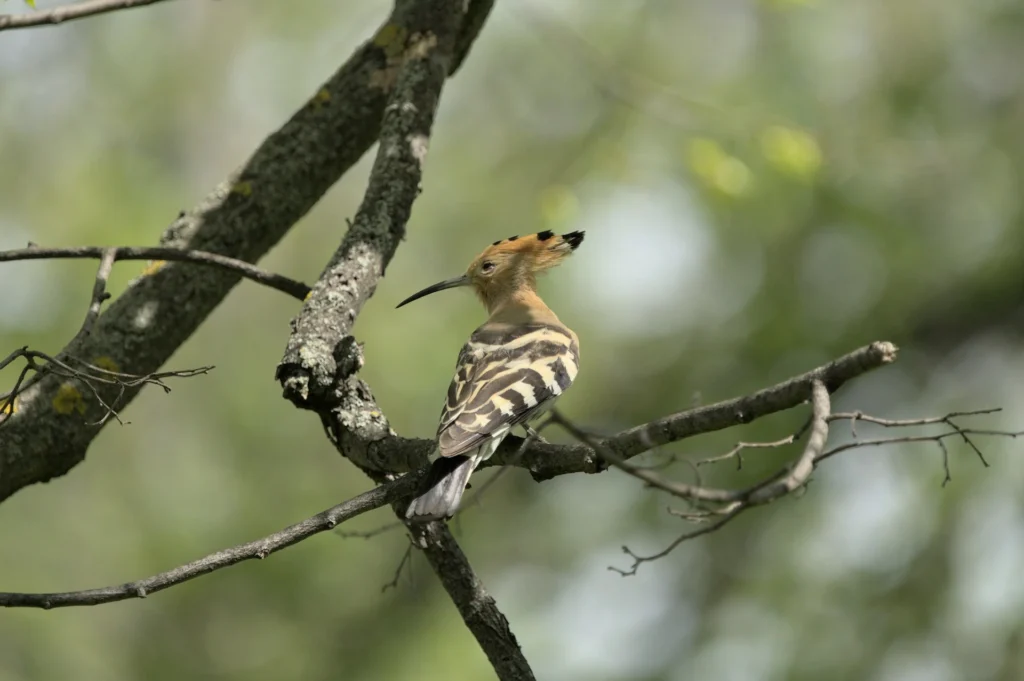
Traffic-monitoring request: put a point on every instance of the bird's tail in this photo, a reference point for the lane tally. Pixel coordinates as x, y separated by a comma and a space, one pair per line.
441, 491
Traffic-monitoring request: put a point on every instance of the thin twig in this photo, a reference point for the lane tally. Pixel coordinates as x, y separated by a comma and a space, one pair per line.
938, 437
58, 15
369, 534
740, 446
99, 290
679, 489
296, 289
945, 462
640, 560
904, 423
733, 502
260, 548
393, 584
89, 374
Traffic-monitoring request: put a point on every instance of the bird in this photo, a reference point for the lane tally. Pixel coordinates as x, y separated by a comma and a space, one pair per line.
510, 371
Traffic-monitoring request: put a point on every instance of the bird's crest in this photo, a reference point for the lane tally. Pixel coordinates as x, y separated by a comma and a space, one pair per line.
509, 266
513, 263
536, 252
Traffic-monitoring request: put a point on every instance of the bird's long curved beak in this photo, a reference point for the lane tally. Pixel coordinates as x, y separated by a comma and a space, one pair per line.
440, 286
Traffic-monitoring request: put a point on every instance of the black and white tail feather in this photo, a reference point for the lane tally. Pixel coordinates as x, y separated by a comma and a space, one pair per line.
506, 375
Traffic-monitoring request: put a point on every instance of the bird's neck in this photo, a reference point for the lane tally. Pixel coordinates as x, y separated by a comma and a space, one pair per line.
520, 306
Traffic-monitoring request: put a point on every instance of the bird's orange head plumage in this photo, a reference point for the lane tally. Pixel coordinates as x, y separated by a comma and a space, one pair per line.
510, 265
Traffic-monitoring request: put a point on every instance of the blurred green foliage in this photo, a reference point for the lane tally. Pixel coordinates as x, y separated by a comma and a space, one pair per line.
764, 185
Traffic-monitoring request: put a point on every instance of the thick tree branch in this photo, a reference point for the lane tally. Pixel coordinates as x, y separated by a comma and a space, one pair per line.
260, 548
382, 452
79, 10
478, 609
310, 365
241, 219
296, 289
447, 559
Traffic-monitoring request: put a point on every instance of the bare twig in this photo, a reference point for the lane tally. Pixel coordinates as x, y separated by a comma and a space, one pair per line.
393, 584
260, 548
79, 10
732, 503
945, 462
740, 446
708, 529
88, 374
902, 423
854, 416
369, 534
296, 289
783, 483
99, 290
938, 437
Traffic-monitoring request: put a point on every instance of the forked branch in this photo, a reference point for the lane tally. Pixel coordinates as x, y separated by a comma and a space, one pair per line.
718, 506
296, 289
259, 549
715, 507
92, 376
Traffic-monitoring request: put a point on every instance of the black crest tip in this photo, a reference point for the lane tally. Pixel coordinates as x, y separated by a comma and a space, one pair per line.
574, 239
545, 235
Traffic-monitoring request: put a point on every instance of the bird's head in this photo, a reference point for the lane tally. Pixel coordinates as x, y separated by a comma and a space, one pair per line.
509, 265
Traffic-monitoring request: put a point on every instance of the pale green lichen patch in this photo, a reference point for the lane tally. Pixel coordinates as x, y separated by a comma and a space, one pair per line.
391, 39
68, 399
153, 267
107, 364
320, 99
243, 188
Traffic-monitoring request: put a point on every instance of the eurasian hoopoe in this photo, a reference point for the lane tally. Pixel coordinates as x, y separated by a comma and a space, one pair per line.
511, 370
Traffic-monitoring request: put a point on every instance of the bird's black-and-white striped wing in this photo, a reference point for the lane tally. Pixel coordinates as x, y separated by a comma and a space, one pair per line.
501, 379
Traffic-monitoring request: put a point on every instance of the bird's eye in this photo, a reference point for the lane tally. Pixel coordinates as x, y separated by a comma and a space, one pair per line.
487, 267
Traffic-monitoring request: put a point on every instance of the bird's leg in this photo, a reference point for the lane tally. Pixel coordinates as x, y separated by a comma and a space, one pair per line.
533, 433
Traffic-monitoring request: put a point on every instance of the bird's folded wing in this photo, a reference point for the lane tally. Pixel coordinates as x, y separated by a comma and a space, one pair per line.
501, 378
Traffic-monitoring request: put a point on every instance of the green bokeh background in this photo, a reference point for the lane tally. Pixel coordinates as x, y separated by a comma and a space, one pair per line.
764, 185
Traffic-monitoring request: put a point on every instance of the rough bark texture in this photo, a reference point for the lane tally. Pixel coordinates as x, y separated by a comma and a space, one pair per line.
423, 52
242, 218
369, 443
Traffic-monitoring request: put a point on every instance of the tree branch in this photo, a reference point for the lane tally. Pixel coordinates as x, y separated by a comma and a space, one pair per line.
481, 613
99, 290
260, 548
311, 361
64, 13
296, 289
242, 219
478, 609
382, 451
76, 372
782, 483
